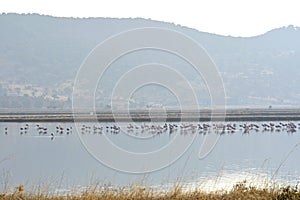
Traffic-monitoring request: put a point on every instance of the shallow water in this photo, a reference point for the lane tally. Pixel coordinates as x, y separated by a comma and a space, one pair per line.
30, 155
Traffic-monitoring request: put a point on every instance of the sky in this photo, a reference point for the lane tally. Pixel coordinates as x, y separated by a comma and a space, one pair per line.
230, 17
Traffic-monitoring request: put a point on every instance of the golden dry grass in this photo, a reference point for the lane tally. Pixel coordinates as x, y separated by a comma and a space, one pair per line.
239, 191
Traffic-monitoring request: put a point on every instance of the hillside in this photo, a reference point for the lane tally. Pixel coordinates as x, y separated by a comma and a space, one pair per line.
40, 56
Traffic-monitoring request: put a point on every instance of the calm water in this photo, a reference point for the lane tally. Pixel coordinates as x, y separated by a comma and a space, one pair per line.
53, 153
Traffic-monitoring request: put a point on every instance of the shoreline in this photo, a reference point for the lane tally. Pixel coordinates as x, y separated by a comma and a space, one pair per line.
156, 116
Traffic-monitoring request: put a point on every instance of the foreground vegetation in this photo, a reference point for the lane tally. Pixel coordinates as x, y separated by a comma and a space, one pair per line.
239, 191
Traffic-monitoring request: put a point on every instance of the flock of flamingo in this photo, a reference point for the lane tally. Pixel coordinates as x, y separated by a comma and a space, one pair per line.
168, 128
219, 128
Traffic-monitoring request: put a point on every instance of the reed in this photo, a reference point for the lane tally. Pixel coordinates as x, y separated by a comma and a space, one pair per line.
239, 191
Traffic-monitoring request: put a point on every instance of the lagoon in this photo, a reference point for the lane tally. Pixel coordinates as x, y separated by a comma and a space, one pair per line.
56, 155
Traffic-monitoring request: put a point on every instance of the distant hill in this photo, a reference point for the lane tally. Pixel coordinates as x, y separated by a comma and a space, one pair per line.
40, 55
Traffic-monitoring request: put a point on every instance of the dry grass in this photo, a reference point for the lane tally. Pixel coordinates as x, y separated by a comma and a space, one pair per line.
239, 191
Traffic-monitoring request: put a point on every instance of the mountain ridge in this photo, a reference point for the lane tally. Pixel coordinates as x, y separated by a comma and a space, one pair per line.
144, 19
44, 53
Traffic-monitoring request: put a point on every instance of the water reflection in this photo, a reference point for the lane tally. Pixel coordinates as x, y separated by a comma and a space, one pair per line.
32, 153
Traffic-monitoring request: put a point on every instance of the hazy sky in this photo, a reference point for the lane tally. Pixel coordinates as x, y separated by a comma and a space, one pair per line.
226, 17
